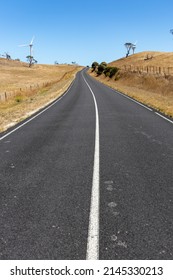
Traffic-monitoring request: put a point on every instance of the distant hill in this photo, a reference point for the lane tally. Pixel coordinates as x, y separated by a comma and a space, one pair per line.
24, 90
147, 58
11, 62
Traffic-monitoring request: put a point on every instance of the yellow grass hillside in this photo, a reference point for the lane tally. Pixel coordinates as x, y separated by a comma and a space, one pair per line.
24, 90
147, 58
145, 76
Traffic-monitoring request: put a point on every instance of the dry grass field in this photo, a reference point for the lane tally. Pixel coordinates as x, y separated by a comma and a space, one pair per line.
160, 59
25, 90
153, 89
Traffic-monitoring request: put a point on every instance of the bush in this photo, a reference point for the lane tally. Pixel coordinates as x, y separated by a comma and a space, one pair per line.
94, 66
110, 71
101, 68
18, 98
113, 71
104, 64
107, 71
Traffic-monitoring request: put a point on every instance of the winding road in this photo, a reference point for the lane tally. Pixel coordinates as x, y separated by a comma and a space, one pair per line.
88, 177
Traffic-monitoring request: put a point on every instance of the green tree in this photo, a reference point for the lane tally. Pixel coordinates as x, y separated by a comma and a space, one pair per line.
94, 66
107, 71
104, 63
31, 60
100, 69
113, 71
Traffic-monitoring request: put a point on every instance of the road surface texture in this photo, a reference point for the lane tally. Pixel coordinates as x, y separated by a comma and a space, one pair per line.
89, 177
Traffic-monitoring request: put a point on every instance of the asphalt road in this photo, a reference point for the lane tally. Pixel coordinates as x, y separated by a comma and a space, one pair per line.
89, 177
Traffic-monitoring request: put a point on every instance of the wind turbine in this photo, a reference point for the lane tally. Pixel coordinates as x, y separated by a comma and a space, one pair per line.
30, 45
134, 46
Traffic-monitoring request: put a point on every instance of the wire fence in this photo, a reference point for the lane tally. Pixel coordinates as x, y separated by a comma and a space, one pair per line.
29, 90
149, 69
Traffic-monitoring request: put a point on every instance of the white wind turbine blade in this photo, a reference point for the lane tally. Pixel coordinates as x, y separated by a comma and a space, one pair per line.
32, 40
23, 45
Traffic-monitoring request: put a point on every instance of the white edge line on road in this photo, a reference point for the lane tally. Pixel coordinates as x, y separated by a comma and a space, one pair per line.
32, 118
143, 106
128, 97
93, 232
163, 117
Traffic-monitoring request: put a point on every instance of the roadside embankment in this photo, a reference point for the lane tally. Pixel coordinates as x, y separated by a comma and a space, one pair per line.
155, 91
26, 90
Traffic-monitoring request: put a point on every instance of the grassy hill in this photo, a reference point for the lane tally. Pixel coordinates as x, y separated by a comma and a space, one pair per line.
24, 90
159, 59
16, 78
145, 76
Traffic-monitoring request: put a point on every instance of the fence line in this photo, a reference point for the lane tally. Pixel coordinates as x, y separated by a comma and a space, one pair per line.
28, 90
6, 95
149, 69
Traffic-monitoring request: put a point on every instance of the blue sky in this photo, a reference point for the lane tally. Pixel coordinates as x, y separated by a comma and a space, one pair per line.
84, 31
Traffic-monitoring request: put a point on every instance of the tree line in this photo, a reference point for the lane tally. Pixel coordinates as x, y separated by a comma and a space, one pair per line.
103, 68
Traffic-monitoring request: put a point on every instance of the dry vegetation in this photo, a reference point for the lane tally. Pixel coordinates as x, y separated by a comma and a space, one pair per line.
154, 90
160, 59
24, 90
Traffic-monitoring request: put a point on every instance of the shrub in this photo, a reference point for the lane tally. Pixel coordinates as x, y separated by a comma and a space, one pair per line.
107, 71
113, 71
18, 98
110, 71
104, 64
101, 68
94, 66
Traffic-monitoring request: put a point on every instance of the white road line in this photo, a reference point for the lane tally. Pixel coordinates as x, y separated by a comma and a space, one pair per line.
93, 232
163, 117
128, 97
142, 105
18, 127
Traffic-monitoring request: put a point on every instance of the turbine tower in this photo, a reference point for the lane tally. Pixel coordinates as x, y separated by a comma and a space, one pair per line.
30, 45
134, 47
